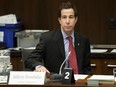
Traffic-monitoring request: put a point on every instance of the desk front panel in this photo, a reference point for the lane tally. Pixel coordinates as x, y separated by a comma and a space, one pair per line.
102, 62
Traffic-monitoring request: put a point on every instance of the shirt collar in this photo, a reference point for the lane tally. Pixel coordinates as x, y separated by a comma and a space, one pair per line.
65, 35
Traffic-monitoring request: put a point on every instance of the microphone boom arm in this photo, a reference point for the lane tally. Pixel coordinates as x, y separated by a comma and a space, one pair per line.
64, 62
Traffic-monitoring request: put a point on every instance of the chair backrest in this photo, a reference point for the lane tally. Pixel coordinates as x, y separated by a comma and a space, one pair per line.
25, 54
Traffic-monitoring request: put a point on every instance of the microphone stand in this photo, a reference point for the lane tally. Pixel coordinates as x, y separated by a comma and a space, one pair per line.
64, 62
59, 76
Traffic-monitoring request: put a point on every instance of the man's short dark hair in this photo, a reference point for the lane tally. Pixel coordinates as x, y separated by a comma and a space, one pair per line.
67, 5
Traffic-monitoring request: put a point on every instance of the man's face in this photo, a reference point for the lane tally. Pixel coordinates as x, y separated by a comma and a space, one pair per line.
67, 20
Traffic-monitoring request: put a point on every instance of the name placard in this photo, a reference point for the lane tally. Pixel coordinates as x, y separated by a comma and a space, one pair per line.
26, 78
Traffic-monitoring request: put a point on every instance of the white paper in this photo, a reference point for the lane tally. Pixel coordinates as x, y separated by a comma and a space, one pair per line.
41, 31
4, 61
98, 50
1, 36
102, 77
29, 47
27, 78
3, 79
113, 51
79, 76
8, 19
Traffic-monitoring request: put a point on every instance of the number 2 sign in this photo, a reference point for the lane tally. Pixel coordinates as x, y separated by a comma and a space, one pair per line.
68, 76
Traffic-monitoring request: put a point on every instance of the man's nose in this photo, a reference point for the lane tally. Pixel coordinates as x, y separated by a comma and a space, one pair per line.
67, 20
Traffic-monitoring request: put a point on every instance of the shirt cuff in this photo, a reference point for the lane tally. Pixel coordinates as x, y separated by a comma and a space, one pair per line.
37, 67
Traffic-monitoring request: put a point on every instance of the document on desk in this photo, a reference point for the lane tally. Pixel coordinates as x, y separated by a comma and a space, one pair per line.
3, 79
79, 76
98, 50
100, 79
113, 51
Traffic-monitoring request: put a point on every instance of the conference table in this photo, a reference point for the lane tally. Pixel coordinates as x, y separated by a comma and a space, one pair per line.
56, 84
53, 83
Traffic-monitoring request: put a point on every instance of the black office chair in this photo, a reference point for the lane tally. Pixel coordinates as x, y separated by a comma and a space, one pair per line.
25, 54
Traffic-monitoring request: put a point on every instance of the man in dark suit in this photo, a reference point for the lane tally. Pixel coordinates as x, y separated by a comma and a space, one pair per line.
52, 49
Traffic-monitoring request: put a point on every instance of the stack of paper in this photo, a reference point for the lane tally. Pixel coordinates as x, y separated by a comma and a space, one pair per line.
99, 79
8, 19
79, 76
98, 50
113, 51
1, 36
3, 79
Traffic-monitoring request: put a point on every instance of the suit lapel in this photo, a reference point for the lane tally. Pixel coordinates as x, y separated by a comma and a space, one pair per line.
76, 44
61, 44
78, 49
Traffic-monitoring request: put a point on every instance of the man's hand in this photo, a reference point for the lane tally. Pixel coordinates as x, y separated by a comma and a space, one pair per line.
41, 69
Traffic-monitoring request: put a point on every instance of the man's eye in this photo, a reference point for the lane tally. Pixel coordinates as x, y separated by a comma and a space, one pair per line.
64, 17
71, 17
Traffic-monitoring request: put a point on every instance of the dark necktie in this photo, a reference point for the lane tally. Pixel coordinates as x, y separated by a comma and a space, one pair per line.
72, 58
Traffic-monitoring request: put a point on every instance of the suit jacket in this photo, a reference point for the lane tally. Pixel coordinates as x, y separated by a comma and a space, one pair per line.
50, 52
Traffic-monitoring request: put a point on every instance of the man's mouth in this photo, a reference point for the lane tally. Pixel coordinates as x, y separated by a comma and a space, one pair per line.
67, 27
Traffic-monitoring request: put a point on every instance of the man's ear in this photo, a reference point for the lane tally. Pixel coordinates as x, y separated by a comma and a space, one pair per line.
59, 19
76, 19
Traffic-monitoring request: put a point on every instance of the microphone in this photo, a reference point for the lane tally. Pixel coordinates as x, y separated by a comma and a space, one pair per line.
64, 61
59, 76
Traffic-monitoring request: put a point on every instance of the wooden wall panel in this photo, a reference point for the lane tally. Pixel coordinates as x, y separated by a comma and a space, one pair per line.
93, 20
2, 7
